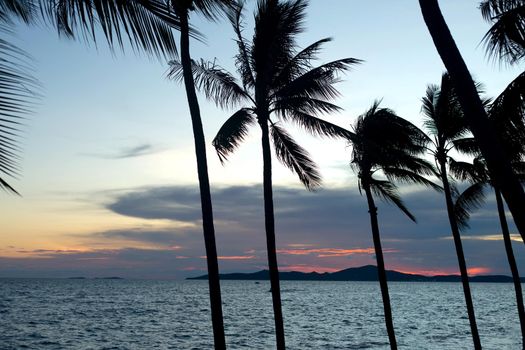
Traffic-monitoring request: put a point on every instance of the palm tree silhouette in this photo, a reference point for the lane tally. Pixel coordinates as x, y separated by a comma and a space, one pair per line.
276, 80
473, 197
445, 124
386, 143
506, 37
474, 112
148, 25
506, 113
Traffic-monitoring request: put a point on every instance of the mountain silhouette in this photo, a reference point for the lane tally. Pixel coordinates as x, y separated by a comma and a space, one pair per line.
363, 273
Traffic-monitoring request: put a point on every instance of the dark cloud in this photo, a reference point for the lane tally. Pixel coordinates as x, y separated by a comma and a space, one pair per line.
129, 152
161, 237
326, 224
328, 218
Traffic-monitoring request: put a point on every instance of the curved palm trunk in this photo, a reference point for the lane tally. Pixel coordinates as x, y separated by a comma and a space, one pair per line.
512, 263
460, 255
204, 185
270, 235
381, 272
497, 160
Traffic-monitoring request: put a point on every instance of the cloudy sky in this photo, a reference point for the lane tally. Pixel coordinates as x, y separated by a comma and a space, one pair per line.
109, 179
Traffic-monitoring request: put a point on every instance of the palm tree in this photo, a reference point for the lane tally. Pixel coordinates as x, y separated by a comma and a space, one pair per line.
506, 37
386, 143
210, 9
473, 197
148, 25
445, 124
17, 88
276, 80
475, 115
506, 113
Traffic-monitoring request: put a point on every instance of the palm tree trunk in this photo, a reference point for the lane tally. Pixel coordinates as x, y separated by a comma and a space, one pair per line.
381, 272
497, 160
512, 263
204, 185
460, 255
270, 235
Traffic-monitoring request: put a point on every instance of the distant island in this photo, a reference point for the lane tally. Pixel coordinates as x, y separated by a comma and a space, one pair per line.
363, 273
96, 278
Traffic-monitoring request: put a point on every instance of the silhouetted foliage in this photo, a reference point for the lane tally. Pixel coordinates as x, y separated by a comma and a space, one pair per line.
445, 123
506, 114
18, 88
385, 144
148, 26
476, 118
506, 38
276, 81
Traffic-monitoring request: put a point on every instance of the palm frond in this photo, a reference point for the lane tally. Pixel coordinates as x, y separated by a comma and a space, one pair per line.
386, 138
318, 82
24, 10
277, 25
387, 191
242, 58
146, 24
466, 145
317, 126
232, 133
216, 83
214, 9
295, 158
443, 113
510, 104
305, 104
506, 38
299, 64
17, 96
465, 171
408, 176
469, 200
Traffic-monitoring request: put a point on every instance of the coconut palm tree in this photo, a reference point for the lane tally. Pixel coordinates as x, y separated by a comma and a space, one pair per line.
474, 112
473, 197
506, 37
506, 113
276, 81
148, 25
445, 124
387, 144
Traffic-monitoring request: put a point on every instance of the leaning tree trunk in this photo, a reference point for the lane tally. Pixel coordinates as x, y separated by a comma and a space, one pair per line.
381, 272
512, 263
491, 149
204, 185
270, 235
460, 255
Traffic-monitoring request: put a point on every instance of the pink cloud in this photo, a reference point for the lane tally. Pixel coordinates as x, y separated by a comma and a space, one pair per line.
308, 268
331, 252
233, 257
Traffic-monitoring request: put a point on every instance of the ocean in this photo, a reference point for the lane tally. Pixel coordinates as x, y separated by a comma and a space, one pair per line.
46, 314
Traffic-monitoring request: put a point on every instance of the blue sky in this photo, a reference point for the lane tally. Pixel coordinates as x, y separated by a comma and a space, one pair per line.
111, 133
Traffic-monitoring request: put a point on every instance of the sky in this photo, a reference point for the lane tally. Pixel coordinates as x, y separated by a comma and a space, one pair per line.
109, 185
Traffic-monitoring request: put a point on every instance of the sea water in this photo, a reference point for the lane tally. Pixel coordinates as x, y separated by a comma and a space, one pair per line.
140, 314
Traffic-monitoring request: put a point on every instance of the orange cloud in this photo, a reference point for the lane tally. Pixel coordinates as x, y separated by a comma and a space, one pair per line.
233, 257
331, 252
308, 268
425, 272
478, 270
